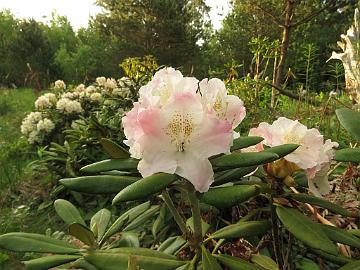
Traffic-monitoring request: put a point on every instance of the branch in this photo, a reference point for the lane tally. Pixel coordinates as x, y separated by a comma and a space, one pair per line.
293, 95
314, 14
272, 16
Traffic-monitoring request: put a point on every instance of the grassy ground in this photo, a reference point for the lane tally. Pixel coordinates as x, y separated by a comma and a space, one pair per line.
22, 189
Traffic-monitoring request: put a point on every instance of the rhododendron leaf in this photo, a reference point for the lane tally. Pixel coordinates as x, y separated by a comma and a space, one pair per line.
141, 219
223, 197
350, 120
242, 229
172, 245
160, 220
208, 261
235, 263
128, 216
340, 236
145, 187
348, 155
282, 150
236, 160
306, 198
142, 252
82, 233
117, 261
351, 266
232, 175
82, 264
204, 226
31, 242
113, 149
305, 230
338, 259
111, 164
264, 262
355, 232
127, 240
243, 142
68, 212
98, 184
44, 263
99, 222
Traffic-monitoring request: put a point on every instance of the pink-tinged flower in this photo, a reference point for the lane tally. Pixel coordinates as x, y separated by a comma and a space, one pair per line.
172, 130
313, 155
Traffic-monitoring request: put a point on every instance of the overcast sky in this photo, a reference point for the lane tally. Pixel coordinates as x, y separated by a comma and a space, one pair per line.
79, 11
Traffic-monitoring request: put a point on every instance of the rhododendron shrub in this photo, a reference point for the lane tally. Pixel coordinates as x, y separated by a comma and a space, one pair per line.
178, 123
314, 154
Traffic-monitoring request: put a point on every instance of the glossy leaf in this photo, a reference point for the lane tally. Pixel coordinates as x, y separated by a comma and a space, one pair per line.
111, 164
99, 222
204, 226
242, 229
141, 219
305, 230
338, 259
355, 232
172, 245
350, 120
128, 216
127, 239
159, 221
234, 263
208, 261
306, 264
82, 233
283, 150
243, 142
305, 198
236, 160
232, 175
68, 212
264, 261
113, 149
351, 266
142, 252
98, 184
44, 263
340, 236
31, 242
145, 187
82, 264
119, 261
348, 155
223, 197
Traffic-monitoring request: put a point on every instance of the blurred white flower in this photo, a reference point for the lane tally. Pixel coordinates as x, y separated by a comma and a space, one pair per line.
68, 106
96, 97
59, 84
110, 84
45, 125
101, 81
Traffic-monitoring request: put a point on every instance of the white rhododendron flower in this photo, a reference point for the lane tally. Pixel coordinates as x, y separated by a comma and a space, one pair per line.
110, 83
80, 88
70, 95
59, 84
68, 106
96, 97
45, 125
45, 101
101, 81
174, 129
313, 155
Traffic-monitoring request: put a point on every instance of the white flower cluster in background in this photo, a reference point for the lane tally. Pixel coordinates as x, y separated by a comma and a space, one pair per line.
45, 101
60, 85
68, 106
35, 126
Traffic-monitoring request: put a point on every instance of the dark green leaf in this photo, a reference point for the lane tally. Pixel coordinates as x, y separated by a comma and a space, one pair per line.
236, 160
223, 197
350, 120
144, 217
113, 149
208, 261
305, 230
264, 261
98, 184
340, 236
232, 175
68, 212
234, 263
31, 242
145, 187
242, 229
283, 150
47, 262
351, 266
348, 155
82, 233
99, 222
243, 142
111, 164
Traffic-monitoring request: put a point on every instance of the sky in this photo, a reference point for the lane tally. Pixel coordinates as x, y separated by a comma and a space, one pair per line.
79, 11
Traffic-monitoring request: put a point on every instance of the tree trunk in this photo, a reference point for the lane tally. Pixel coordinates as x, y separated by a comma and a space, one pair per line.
289, 12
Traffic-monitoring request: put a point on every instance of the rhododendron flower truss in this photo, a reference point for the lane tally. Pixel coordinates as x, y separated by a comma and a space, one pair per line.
174, 128
313, 155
